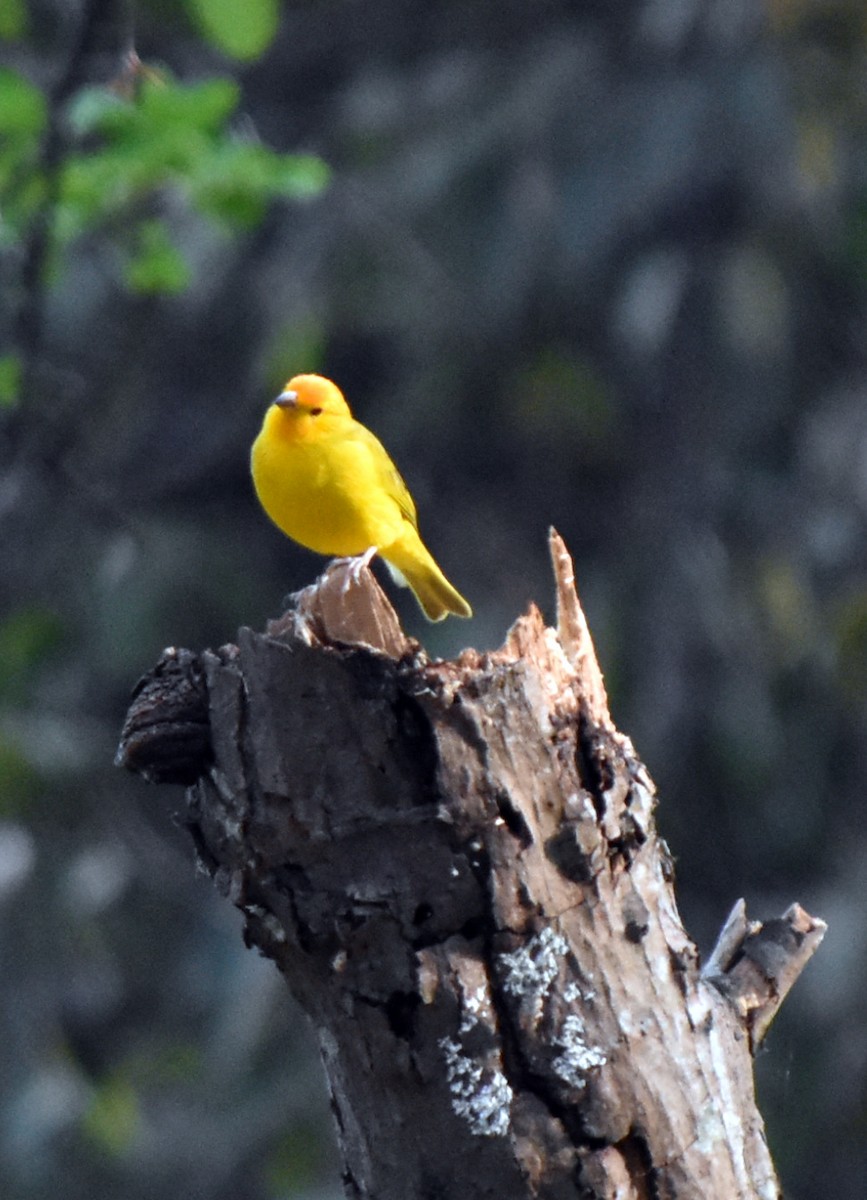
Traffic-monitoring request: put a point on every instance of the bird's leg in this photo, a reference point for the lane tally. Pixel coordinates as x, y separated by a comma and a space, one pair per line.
358, 563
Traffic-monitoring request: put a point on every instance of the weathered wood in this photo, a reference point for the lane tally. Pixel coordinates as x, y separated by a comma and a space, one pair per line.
456, 867
166, 737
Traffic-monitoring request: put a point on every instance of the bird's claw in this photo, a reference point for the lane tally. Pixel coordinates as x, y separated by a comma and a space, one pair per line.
357, 564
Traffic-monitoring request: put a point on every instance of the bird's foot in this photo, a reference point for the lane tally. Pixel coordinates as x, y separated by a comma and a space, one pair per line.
358, 564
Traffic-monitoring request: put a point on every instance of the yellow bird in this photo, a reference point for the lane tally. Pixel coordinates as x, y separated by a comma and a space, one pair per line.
328, 483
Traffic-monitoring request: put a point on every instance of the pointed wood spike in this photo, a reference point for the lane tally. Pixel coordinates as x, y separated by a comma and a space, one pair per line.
573, 632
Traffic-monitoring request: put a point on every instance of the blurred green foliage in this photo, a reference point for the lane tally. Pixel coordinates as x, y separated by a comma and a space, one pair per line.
133, 144
241, 28
295, 1163
562, 398
20, 783
301, 342
112, 1119
13, 20
156, 265
28, 637
10, 379
851, 638
23, 117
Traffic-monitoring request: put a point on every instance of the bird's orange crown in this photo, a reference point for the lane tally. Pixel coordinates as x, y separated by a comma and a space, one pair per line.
314, 394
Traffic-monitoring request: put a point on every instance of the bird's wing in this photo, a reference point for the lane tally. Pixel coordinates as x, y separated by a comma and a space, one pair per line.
388, 476
400, 493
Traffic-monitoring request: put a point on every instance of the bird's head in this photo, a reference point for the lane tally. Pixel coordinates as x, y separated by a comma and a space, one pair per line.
311, 396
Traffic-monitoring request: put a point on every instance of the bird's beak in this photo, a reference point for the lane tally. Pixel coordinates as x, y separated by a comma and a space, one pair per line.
287, 400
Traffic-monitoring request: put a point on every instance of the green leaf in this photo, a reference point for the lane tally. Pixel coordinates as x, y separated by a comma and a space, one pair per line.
10, 380
13, 20
299, 175
157, 139
235, 182
23, 112
94, 187
92, 107
241, 28
157, 268
204, 106
161, 106
21, 200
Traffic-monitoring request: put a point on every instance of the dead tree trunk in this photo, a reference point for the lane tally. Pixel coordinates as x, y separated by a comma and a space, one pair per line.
456, 867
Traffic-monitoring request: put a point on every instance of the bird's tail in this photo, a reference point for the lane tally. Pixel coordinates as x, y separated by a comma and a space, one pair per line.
412, 564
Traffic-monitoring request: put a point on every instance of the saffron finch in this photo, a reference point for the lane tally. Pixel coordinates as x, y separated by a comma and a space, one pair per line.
328, 483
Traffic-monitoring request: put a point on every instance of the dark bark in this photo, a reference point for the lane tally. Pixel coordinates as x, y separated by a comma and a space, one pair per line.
456, 867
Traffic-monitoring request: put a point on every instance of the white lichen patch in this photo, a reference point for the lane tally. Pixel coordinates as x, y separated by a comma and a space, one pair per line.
477, 1005
576, 1057
530, 970
711, 1131
572, 993
481, 1095
635, 1023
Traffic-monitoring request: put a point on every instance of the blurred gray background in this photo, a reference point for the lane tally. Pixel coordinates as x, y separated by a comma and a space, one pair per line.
600, 266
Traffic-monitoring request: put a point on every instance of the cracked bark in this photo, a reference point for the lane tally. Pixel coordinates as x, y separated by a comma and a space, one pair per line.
455, 866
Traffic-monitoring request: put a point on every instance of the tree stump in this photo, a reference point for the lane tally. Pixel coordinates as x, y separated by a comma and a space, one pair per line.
456, 867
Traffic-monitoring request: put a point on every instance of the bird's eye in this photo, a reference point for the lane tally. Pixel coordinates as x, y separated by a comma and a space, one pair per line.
314, 412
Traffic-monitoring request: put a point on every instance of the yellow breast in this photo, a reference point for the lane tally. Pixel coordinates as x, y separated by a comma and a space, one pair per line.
321, 486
